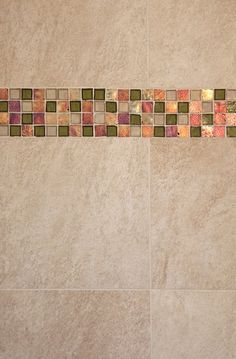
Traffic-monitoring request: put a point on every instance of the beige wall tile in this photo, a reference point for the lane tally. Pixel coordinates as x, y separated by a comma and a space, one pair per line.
74, 214
69, 324
193, 213
73, 43
199, 324
192, 43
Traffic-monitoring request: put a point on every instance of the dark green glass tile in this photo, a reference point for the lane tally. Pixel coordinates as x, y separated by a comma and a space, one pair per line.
207, 119
87, 94
51, 106
171, 119
39, 131
26, 94
135, 95
219, 94
27, 118
3, 106
63, 131
183, 107
195, 131
99, 94
231, 131
135, 119
231, 106
111, 131
87, 131
111, 107
159, 131
75, 106
15, 130
159, 107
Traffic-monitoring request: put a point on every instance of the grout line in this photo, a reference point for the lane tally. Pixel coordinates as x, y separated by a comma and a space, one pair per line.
149, 241
114, 290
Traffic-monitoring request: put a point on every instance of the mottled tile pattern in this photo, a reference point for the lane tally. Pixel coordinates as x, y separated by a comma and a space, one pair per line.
204, 113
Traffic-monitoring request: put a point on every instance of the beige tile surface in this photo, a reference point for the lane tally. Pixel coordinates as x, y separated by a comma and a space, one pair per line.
198, 324
74, 213
73, 43
192, 43
69, 324
193, 213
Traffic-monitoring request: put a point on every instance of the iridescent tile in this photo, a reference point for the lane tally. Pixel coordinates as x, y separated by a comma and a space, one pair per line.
124, 131
4, 118
171, 131
111, 94
207, 95
100, 130
147, 94
195, 106
231, 106
219, 118
3, 94
207, 106
220, 107
182, 95
14, 106
183, 131
159, 119
147, 131
75, 130
207, 131
111, 118
87, 118
135, 107
38, 106
39, 94
147, 106
14, 118
147, 119
196, 95
159, 95
87, 106
231, 95
63, 119
63, 106
27, 130
38, 118
135, 131
219, 131
123, 118
75, 94
171, 106
195, 119
123, 95
51, 118
183, 119
231, 119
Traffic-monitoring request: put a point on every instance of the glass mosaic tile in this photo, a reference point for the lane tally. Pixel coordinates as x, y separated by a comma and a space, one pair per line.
123, 112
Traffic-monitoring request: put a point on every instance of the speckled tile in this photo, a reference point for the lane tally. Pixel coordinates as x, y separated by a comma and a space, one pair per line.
74, 324
193, 324
193, 213
55, 234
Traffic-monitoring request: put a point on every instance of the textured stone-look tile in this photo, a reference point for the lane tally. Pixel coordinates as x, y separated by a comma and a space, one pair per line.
74, 215
193, 213
194, 324
188, 38
74, 324
57, 41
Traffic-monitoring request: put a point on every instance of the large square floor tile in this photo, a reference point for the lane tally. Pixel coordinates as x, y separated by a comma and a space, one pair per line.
74, 213
74, 324
192, 43
73, 42
194, 325
193, 213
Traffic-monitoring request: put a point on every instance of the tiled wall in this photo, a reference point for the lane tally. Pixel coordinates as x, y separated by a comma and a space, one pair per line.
103, 112
117, 248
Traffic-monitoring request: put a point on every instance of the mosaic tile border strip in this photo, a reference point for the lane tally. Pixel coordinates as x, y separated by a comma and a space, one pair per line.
100, 112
